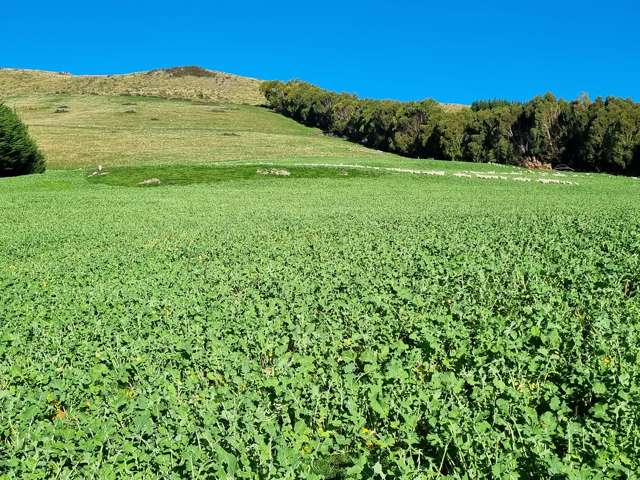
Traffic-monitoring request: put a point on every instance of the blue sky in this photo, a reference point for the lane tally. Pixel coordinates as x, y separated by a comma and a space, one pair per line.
454, 51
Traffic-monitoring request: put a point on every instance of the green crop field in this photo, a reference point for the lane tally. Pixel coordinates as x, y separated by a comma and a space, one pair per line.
288, 305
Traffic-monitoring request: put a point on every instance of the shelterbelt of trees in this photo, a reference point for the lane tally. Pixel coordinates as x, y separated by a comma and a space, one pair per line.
601, 135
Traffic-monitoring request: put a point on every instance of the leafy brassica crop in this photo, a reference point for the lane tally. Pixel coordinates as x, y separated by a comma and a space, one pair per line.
387, 327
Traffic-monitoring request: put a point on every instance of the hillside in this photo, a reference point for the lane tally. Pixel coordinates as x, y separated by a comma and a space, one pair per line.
182, 115
77, 131
191, 83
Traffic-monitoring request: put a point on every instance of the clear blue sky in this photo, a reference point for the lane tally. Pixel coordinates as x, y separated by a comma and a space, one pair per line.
454, 51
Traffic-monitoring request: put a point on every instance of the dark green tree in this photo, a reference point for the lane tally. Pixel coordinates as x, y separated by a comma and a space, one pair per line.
612, 136
19, 154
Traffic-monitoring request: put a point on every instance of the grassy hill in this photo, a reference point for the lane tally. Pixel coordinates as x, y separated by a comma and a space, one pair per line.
184, 115
86, 130
191, 83
166, 116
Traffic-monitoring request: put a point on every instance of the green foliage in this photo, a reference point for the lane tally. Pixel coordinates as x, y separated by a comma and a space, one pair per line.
488, 135
489, 104
19, 155
361, 328
601, 136
612, 136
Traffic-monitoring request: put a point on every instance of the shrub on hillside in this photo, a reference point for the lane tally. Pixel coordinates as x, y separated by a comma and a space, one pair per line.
19, 154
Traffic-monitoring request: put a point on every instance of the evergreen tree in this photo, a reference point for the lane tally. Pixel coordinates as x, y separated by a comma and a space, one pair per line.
19, 155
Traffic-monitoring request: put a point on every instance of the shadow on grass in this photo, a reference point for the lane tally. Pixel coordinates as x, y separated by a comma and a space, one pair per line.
186, 175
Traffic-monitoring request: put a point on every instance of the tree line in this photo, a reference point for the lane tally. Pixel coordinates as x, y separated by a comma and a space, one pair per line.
601, 135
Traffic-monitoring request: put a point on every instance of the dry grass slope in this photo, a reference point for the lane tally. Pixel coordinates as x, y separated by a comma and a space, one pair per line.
77, 131
188, 83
